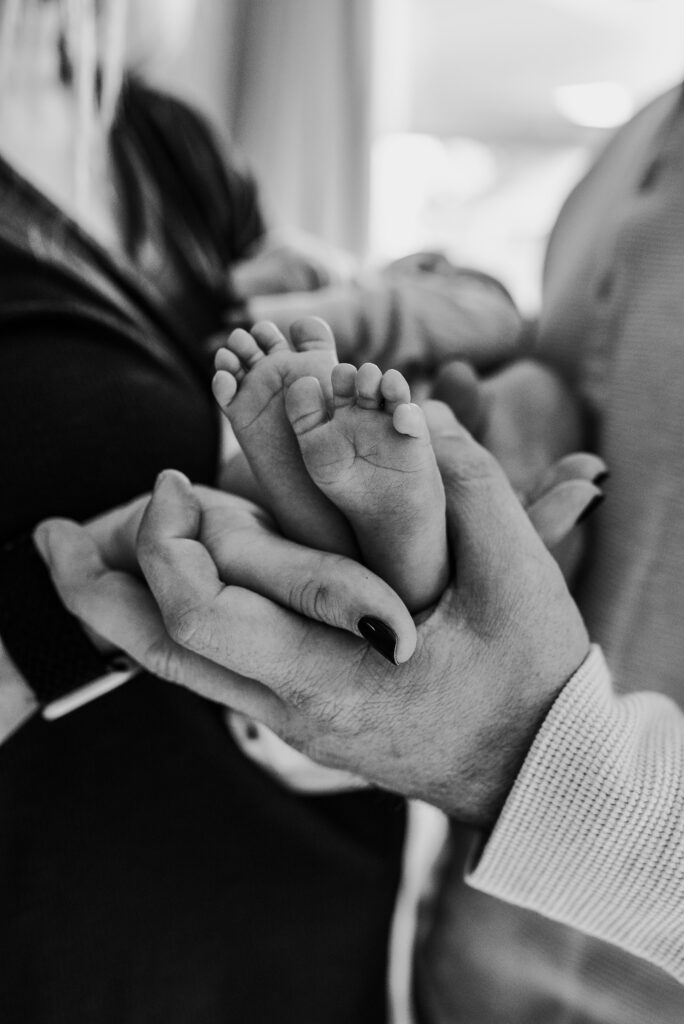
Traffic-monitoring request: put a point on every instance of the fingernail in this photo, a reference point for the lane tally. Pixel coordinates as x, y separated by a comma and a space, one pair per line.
597, 500
601, 477
380, 636
173, 481
48, 533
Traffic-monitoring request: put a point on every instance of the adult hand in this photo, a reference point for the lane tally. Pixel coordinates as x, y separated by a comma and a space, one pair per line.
98, 578
529, 419
525, 414
453, 724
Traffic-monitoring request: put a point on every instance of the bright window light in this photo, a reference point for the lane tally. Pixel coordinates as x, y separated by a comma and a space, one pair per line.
594, 104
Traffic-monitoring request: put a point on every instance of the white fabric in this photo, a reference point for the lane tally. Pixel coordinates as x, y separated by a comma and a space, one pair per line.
592, 834
301, 82
612, 320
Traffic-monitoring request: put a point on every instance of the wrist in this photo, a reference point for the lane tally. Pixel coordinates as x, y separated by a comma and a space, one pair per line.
501, 752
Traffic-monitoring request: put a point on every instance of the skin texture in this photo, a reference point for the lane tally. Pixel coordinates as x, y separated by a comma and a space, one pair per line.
451, 726
106, 562
372, 456
252, 376
353, 469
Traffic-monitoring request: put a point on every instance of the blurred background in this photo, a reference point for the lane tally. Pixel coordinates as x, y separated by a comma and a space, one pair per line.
385, 126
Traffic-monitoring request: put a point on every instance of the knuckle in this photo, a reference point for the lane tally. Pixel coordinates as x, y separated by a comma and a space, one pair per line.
312, 598
188, 627
161, 660
476, 463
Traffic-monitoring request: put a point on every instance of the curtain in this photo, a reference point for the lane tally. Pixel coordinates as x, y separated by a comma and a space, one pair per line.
300, 97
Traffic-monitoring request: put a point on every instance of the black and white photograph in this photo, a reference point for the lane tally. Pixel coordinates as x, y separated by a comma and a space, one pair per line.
341, 512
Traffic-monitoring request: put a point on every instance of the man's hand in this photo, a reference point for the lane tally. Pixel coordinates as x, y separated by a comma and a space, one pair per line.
452, 725
528, 418
524, 414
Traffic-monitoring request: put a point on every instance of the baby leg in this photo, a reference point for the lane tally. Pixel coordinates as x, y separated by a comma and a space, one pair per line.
252, 373
373, 458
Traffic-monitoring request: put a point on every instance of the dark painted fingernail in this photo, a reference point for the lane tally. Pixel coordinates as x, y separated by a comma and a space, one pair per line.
601, 477
380, 636
597, 500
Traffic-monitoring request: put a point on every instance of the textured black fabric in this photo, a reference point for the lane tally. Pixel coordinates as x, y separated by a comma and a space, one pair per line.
148, 872
45, 642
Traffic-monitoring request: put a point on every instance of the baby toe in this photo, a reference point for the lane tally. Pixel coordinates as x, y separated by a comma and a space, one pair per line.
245, 347
269, 337
309, 333
394, 390
343, 381
224, 387
409, 419
227, 360
368, 381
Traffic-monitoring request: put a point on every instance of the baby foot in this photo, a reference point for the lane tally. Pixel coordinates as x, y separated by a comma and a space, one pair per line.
374, 460
252, 373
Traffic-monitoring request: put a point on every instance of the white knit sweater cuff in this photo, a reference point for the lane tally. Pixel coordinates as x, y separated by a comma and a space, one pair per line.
592, 834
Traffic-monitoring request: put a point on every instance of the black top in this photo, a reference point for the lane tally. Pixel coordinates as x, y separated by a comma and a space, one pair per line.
147, 871
104, 366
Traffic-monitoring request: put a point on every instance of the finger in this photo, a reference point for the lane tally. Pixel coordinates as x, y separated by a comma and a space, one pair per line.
119, 608
458, 386
576, 466
483, 513
329, 588
115, 534
555, 514
233, 626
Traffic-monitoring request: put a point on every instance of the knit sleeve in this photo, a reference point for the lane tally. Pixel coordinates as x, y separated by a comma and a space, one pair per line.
592, 834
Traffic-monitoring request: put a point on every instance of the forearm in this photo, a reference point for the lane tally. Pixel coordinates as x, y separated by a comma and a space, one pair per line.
592, 834
406, 321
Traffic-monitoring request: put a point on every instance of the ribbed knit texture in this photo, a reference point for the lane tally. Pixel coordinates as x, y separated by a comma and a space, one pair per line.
593, 832
599, 849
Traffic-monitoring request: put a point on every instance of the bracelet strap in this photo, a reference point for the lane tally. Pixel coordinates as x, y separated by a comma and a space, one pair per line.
46, 642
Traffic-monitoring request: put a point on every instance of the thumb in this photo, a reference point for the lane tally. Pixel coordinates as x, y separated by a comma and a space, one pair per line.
491, 534
167, 539
77, 572
72, 558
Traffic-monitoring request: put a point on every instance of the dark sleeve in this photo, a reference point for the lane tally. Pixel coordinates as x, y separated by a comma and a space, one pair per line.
45, 642
89, 415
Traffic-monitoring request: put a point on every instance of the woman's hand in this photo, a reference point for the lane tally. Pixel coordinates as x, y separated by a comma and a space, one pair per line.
451, 726
528, 418
245, 544
525, 415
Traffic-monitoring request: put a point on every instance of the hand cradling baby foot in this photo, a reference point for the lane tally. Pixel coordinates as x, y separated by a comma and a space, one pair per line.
342, 455
345, 463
